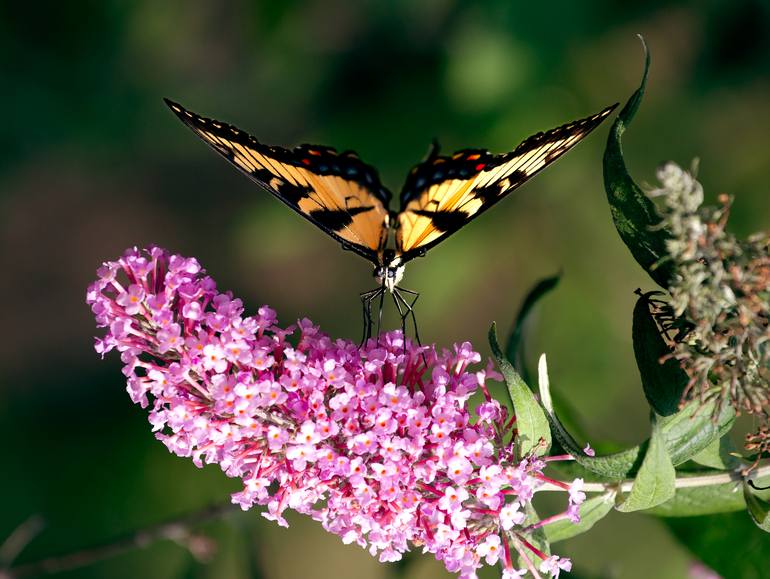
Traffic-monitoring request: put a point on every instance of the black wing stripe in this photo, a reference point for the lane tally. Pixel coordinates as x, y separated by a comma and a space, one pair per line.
335, 219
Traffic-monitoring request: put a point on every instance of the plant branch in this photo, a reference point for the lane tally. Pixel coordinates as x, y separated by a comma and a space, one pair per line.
178, 529
19, 539
681, 483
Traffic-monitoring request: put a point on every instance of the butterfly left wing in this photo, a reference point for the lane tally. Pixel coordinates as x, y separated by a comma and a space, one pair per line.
337, 192
444, 193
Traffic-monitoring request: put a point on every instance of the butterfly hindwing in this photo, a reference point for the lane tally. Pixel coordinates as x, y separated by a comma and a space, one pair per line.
443, 193
336, 191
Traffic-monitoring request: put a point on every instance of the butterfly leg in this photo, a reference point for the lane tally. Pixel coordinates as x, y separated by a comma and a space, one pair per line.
367, 318
366, 304
379, 317
403, 313
409, 305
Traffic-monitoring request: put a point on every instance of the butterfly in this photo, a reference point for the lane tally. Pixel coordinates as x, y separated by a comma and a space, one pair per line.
343, 196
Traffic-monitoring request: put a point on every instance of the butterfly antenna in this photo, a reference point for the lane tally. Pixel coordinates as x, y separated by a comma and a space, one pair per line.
434, 149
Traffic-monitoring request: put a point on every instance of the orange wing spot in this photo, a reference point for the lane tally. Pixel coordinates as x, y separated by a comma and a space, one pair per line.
314, 152
438, 160
473, 157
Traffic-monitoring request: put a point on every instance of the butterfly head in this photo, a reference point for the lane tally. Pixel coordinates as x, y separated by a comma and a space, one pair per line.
390, 271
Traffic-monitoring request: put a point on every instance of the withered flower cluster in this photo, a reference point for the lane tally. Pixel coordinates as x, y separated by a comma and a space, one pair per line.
719, 295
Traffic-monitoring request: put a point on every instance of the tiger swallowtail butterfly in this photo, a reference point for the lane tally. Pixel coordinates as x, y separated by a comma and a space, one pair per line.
344, 197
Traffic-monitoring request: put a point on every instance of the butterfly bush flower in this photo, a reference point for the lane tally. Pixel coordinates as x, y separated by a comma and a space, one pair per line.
377, 444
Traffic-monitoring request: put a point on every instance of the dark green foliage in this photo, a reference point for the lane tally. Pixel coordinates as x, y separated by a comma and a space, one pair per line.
663, 383
758, 508
727, 543
632, 212
514, 351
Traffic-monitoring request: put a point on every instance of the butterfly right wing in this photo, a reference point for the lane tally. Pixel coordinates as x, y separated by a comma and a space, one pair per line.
337, 192
444, 193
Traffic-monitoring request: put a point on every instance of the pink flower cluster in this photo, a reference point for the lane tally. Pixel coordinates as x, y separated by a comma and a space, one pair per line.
375, 443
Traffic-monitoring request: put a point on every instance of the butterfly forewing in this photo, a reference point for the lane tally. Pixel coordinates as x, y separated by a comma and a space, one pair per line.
444, 193
336, 191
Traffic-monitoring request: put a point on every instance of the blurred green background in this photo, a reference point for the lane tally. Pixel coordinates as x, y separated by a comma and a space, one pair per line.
92, 162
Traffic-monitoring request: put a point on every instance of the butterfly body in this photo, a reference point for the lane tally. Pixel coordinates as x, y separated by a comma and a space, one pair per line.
390, 272
344, 197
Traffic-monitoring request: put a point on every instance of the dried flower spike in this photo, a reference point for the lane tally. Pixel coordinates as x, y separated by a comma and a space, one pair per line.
719, 293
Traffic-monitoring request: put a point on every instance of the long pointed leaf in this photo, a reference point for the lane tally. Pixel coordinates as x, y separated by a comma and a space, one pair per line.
514, 351
592, 511
531, 423
758, 508
632, 212
655, 482
685, 434
663, 384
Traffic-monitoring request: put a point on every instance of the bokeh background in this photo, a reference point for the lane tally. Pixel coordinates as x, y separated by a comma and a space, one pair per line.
92, 162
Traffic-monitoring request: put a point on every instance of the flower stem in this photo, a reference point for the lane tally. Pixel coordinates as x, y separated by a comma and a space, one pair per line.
681, 483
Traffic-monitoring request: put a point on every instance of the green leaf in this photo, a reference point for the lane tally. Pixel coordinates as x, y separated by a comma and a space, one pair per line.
758, 509
591, 511
664, 383
707, 499
701, 493
632, 211
718, 455
612, 467
686, 433
655, 482
728, 543
693, 428
514, 351
531, 423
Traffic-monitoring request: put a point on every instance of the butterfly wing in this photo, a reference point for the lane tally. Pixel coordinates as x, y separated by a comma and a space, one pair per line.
335, 191
444, 193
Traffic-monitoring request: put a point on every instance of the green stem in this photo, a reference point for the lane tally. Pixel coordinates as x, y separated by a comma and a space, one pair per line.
681, 483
